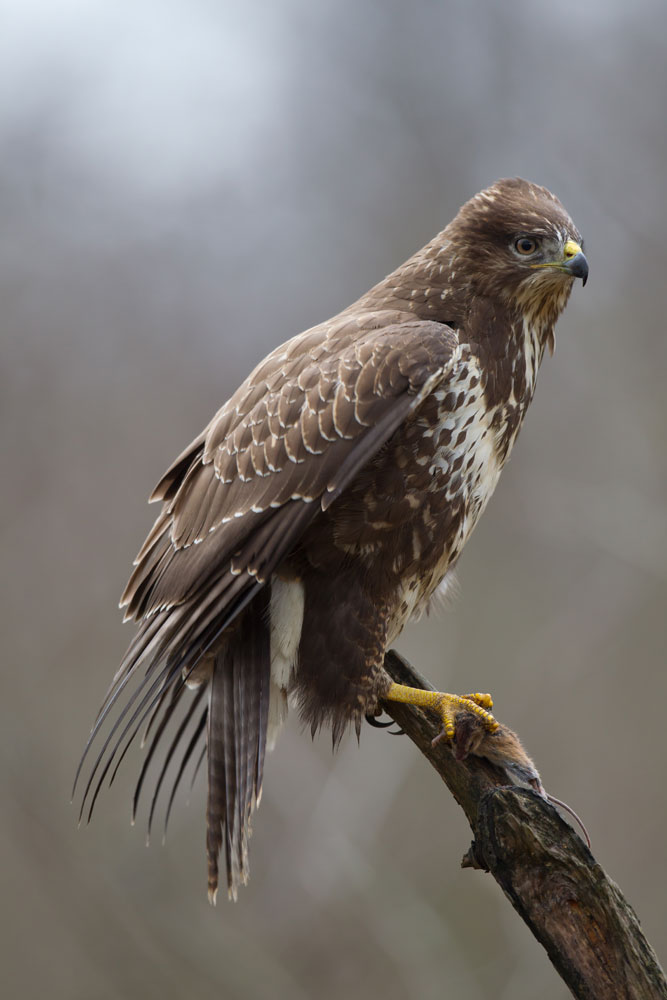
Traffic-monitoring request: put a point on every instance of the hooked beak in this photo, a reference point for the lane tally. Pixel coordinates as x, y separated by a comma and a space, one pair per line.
573, 262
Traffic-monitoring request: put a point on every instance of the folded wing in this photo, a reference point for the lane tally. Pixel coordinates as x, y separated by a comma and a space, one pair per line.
235, 503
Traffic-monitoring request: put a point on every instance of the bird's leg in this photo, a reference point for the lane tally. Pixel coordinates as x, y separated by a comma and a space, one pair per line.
446, 705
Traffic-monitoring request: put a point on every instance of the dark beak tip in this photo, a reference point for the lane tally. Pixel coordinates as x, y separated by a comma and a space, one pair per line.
578, 267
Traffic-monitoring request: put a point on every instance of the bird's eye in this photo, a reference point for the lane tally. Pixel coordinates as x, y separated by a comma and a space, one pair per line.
525, 245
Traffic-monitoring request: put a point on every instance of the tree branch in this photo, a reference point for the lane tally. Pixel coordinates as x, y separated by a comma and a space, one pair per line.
590, 932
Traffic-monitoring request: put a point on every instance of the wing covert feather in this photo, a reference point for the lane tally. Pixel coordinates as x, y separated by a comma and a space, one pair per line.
300, 427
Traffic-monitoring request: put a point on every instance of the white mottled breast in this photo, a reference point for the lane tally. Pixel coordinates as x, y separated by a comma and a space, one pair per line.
473, 433
471, 439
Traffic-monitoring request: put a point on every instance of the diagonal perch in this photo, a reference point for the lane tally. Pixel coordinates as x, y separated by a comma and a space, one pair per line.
589, 930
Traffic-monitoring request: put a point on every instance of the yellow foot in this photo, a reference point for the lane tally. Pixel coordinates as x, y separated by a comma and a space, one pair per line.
447, 706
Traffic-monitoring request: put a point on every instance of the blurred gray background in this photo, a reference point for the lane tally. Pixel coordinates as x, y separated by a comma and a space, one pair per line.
183, 185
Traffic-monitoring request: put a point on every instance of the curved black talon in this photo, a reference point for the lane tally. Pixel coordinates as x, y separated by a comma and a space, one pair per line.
376, 724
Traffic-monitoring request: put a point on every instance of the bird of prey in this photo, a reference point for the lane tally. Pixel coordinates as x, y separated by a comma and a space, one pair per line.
326, 502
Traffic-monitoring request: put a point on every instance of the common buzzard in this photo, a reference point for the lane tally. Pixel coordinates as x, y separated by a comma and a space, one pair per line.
326, 502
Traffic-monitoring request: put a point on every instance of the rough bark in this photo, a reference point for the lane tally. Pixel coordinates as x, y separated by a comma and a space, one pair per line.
589, 930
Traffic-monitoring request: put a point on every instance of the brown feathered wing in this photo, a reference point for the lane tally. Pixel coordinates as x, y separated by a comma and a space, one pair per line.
235, 502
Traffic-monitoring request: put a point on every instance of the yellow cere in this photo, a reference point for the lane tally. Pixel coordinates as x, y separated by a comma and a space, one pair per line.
571, 249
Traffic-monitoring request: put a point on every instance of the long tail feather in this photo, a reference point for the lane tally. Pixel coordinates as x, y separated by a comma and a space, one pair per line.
157, 736
187, 754
236, 739
169, 756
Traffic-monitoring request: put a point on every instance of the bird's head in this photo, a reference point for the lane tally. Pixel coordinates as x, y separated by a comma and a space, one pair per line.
520, 248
